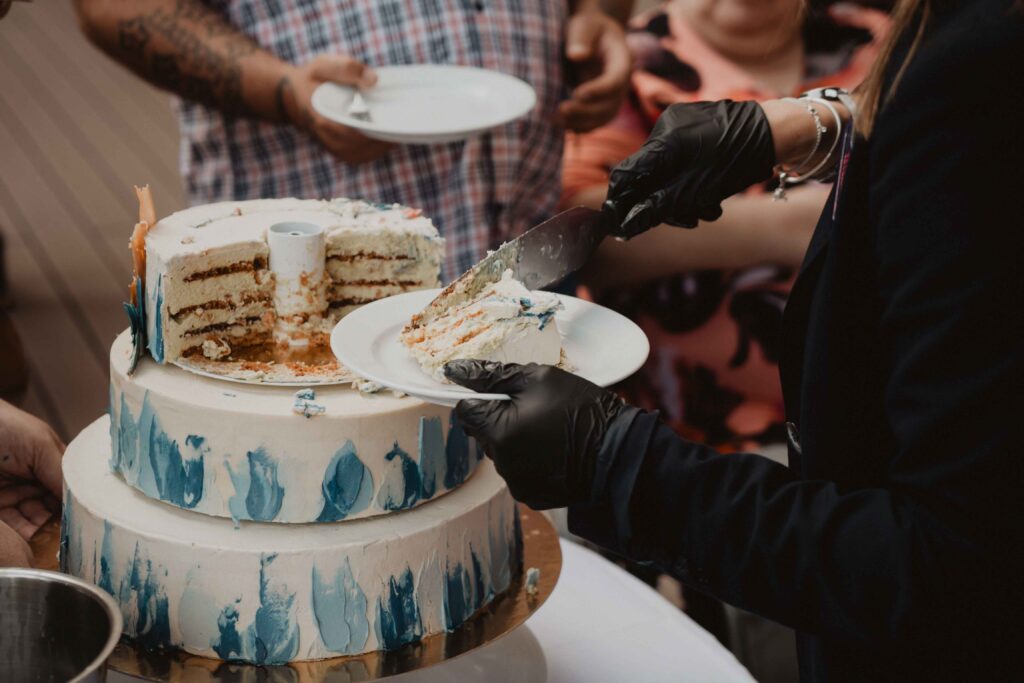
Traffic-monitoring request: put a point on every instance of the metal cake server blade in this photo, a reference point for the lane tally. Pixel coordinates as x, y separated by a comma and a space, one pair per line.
542, 256
558, 247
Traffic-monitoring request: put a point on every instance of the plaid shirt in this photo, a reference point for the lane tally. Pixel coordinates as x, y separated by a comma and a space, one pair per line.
479, 192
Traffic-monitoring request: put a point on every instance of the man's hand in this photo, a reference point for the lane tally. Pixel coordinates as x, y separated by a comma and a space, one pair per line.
30, 477
600, 64
296, 94
545, 441
14, 550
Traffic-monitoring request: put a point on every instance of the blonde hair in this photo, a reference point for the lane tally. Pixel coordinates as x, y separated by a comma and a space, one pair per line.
870, 95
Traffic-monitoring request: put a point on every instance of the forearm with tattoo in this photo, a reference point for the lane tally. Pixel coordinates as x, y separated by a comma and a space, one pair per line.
187, 48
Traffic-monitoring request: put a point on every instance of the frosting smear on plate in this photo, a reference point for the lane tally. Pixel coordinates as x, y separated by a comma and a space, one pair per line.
506, 323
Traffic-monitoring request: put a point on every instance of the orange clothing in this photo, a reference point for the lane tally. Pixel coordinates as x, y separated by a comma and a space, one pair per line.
712, 369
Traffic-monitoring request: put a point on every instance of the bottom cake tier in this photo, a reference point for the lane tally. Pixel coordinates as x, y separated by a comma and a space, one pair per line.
273, 593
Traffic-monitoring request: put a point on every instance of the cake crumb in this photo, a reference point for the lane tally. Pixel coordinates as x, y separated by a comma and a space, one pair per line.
532, 579
366, 387
215, 349
304, 404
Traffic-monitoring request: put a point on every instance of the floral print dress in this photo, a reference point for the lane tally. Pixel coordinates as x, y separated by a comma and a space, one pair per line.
714, 334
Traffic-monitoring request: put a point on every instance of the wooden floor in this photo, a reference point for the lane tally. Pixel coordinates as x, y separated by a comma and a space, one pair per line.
76, 132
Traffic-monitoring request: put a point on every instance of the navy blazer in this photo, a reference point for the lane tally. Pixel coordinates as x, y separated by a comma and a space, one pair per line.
893, 542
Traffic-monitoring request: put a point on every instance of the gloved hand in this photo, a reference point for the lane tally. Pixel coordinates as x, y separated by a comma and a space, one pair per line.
545, 441
697, 155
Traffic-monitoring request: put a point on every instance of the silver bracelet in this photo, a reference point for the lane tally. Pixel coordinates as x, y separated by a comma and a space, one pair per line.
834, 94
810, 175
791, 176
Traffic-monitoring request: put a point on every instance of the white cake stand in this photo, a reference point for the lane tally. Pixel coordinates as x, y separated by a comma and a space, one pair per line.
503, 615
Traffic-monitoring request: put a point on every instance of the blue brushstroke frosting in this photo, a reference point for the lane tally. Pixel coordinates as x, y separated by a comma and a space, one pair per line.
274, 633
148, 458
65, 525
457, 455
458, 596
140, 587
339, 607
273, 637
258, 495
432, 456
229, 645
178, 480
106, 579
137, 324
398, 616
127, 444
481, 586
400, 488
156, 336
347, 487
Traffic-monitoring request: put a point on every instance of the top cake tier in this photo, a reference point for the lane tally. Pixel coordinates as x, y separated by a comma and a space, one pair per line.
265, 453
236, 274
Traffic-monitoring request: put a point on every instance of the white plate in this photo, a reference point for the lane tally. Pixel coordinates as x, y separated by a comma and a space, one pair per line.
430, 103
601, 345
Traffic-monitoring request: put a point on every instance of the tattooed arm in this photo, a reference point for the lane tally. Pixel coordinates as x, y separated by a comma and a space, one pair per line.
186, 48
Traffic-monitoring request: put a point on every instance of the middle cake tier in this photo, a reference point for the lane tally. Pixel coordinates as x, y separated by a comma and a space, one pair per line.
274, 453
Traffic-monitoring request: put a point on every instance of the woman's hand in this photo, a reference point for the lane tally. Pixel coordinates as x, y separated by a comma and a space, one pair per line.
545, 441
30, 478
347, 144
697, 155
600, 62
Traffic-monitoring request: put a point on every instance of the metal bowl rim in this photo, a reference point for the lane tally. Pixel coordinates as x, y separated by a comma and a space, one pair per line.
111, 607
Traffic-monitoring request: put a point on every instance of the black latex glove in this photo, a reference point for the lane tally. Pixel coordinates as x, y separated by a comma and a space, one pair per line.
697, 155
544, 442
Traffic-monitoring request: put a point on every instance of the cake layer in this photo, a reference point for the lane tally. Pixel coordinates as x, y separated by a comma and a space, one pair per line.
505, 323
269, 593
207, 253
362, 268
258, 452
231, 286
369, 291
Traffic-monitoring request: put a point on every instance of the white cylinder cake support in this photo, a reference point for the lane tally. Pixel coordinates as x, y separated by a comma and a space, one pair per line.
270, 593
297, 255
270, 453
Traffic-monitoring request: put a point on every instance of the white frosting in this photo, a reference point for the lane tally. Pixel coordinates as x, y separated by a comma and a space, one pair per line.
506, 323
271, 593
227, 224
371, 251
262, 452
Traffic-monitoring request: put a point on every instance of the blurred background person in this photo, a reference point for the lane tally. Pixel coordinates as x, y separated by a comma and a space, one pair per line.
244, 72
711, 301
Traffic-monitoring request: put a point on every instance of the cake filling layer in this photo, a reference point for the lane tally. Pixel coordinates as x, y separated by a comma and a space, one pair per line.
259, 263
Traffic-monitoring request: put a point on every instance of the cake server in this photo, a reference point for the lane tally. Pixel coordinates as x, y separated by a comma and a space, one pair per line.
542, 256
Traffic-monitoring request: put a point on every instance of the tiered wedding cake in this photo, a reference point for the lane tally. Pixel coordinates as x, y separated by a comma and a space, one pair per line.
264, 524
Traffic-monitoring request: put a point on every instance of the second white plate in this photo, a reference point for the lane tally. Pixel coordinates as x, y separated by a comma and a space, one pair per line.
430, 103
601, 345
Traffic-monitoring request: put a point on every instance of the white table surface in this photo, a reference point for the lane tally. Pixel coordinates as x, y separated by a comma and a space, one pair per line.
599, 625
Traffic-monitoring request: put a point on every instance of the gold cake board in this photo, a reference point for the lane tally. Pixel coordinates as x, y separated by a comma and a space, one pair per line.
540, 550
